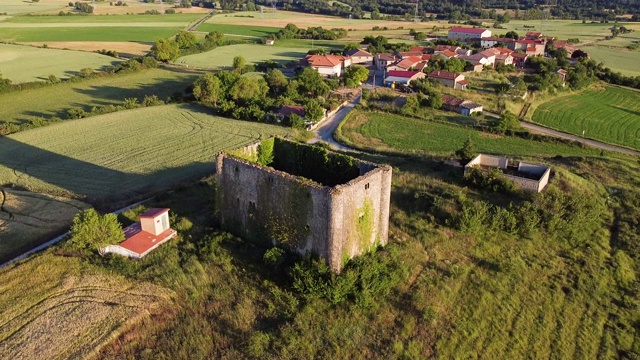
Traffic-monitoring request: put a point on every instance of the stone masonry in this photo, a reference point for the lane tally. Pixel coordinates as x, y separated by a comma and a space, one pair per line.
336, 222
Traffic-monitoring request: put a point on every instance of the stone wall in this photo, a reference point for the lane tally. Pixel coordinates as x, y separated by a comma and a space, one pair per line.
273, 207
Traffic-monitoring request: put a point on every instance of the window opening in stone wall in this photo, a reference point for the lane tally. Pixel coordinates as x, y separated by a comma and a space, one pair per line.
235, 168
366, 186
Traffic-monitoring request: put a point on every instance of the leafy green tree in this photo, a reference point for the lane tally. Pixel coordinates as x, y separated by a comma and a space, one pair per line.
249, 88
238, 63
165, 50
313, 111
349, 47
92, 231
208, 89
214, 37
185, 39
5, 84
311, 83
227, 79
354, 75
467, 152
435, 100
276, 80
508, 121
512, 35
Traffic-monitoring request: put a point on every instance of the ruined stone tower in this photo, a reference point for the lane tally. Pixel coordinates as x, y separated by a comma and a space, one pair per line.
304, 197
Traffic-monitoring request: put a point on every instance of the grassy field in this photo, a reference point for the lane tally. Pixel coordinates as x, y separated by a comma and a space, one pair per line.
23, 7
254, 31
617, 59
610, 114
36, 218
180, 19
123, 155
383, 131
25, 63
26, 105
253, 53
81, 310
562, 29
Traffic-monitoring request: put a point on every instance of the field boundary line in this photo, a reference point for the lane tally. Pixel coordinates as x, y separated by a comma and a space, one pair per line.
59, 238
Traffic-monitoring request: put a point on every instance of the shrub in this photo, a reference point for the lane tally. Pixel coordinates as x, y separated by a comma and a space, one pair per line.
274, 257
92, 231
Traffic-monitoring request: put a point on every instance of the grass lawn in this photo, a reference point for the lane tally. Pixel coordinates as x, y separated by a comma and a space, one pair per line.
617, 59
254, 31
25, 63
147, 32
223, 56
123, 155
610, 114
12, 7
55, 100
384, 131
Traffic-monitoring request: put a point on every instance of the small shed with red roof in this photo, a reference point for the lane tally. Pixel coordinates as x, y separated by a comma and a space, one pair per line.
146, 235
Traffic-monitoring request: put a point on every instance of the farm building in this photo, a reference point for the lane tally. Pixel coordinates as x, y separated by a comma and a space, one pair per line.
462, 106
463, 33
327, 65
397, 77
530, 177
405, 64
144, 236
359, 56
450, 79
306, 198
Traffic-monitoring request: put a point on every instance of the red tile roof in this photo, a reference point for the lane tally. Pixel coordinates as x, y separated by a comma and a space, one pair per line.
287, 110
533, 34
442, 74
406, 54
463, 82
426, 57
358, 52
141, 242
154, 212
403, 74
446, 47
408, 62
518, 55
448, 53
324, 60
387, 57
467, 30
451, 100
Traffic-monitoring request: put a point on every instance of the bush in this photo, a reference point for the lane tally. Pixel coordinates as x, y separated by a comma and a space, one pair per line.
92, 231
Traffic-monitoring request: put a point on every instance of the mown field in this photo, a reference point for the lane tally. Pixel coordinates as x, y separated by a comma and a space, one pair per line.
26, 105
253, 31
123, 155
25, 63
37, 218
610, 114
383, 131
12, 7
66, 311
222, 56
562, 29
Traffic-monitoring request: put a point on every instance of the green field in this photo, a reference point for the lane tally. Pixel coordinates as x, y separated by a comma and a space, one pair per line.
123, 155
253, 31
25, 63
561, 29
149, 33
617, 59
25, 105
383, 131
610, 114
183, 19
223, 56
21, 6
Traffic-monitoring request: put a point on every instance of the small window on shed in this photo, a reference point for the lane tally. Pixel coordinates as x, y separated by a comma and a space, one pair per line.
235, 168
366, 186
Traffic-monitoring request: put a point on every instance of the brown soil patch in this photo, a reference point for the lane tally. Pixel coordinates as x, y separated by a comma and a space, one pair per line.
122, 47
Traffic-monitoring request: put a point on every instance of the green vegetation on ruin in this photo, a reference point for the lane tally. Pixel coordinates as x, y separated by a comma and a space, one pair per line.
610, 114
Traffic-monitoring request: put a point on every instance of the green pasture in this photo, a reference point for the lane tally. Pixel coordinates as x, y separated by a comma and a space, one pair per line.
252, 31
560, 29
620, 60
25, 63
123, 155
185, 19
382, 131
223, 56
46, 102
610, 114
81, 33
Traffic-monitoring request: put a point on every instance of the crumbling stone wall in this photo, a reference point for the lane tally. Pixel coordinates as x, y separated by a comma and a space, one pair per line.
269, 206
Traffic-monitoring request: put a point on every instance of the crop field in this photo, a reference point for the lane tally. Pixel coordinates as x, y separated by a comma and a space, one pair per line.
46, 102
63, 312
36, 219
398, 133
280, 19
251, 31
610, 114
123, 155
25, 63
124, 48
12, 7
560, 29
617, 59
222, 56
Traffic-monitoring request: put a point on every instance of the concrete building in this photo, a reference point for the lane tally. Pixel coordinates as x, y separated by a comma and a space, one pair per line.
306, 198
142, 237
396, 77
463, 33
327, 65
381, 61
450, 79
405, 64
530, 177
461, 106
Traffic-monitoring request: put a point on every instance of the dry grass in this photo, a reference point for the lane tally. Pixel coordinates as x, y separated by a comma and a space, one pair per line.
103, 8
122, 47
36, 218
63, 313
